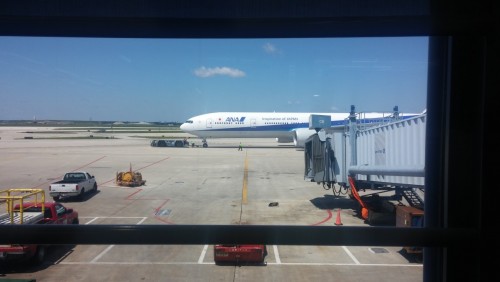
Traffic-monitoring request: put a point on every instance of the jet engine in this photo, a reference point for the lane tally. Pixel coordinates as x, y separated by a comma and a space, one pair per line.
300, 136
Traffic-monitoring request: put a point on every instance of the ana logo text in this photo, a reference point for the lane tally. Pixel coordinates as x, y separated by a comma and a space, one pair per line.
235, 119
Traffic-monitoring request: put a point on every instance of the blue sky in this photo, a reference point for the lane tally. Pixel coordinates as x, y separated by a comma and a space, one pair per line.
163, 80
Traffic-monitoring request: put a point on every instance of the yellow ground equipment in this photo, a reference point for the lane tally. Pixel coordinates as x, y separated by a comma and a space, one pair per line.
129, 178
17, 201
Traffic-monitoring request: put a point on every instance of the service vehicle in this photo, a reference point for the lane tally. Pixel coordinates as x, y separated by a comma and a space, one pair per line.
73, 184
239, 254
169, 143
28, 206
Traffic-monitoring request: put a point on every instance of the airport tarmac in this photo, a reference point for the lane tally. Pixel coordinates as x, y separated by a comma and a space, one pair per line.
215, 185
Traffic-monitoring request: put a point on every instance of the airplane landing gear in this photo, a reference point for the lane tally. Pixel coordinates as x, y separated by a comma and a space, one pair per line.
205, 144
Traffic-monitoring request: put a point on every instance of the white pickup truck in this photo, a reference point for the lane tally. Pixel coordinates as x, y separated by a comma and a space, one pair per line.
74, 184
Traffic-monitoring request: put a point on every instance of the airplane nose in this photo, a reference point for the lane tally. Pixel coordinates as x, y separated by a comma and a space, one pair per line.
183, 126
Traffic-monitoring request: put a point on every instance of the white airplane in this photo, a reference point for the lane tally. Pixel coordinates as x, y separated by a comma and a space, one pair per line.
285, 127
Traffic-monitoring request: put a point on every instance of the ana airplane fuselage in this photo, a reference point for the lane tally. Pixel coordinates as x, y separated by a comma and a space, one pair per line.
285, 127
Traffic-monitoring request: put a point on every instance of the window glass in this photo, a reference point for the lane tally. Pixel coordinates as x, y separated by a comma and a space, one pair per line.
134, 94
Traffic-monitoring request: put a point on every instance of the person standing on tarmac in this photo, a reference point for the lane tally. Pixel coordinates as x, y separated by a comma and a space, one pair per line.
240, 147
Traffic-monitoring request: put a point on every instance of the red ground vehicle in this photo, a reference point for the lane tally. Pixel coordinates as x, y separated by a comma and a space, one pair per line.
34, 211
239, 254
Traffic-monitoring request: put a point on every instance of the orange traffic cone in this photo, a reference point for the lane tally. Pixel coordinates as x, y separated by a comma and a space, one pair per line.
338, 221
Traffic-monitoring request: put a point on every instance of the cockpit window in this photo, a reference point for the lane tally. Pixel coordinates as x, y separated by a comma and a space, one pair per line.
189, 121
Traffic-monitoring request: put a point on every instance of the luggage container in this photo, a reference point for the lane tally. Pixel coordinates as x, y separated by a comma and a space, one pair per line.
410, 217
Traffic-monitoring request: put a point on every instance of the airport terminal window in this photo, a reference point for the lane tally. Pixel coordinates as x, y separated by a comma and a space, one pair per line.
392, 70
442, 106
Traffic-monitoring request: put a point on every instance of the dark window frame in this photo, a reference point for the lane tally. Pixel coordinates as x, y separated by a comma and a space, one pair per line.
463, 53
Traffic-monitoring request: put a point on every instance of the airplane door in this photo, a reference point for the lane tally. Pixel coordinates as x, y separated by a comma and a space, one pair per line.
253, 123
209, 123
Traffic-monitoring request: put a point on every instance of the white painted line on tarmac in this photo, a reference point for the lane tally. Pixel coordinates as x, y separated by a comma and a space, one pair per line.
276, 254
112, 217
111, 246
269, 263
350, 255
142, 220
102, 253
119, 217
95, 218
345, 264
135, 263
202, 256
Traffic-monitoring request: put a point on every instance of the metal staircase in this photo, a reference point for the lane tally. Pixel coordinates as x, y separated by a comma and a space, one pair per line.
413, 198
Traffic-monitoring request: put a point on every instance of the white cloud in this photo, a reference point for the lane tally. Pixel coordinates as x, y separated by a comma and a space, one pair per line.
208, 72
270, 48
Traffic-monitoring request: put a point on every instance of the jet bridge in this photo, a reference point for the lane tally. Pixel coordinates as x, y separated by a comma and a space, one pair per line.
388, 156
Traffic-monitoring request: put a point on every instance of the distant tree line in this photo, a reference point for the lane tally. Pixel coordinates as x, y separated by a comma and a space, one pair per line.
85, 123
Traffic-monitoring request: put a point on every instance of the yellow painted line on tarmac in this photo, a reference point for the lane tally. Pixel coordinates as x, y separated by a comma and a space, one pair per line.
244, 195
